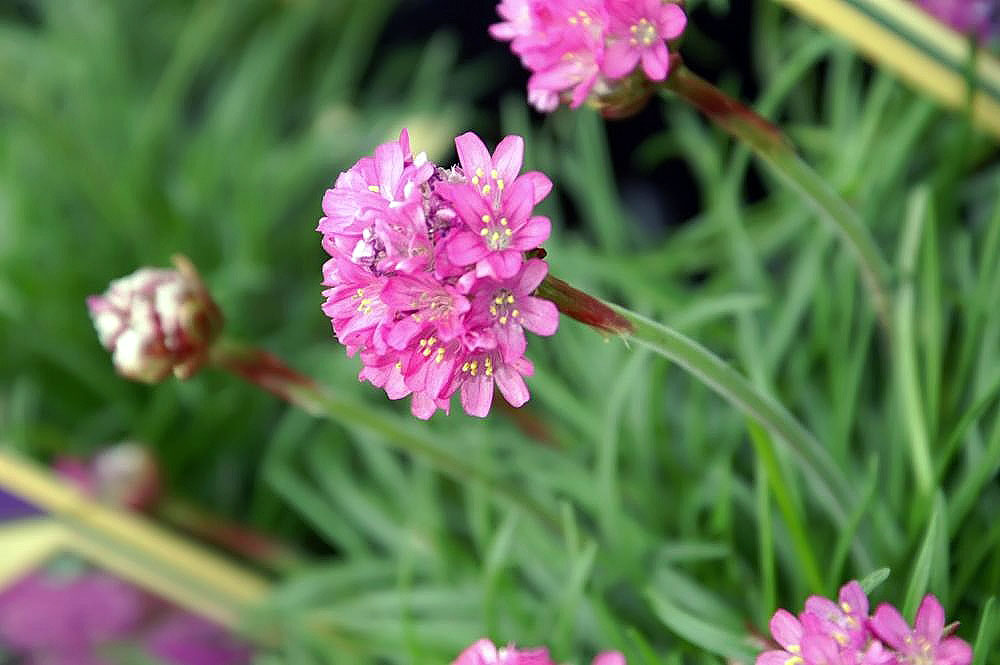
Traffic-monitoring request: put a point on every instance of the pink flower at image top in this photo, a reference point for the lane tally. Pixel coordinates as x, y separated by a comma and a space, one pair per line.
842, 633
583, 49
429, 279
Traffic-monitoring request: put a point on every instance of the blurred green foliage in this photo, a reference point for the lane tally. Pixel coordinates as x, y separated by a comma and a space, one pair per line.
133, 130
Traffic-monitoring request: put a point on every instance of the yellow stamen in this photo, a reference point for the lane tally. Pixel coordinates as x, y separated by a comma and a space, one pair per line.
373, 188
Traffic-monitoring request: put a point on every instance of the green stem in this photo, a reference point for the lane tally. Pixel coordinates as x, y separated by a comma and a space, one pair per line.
270, 373
711, 370
775, 150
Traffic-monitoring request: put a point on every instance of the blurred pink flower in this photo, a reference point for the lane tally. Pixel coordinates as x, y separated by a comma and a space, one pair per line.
828, 633
580, 50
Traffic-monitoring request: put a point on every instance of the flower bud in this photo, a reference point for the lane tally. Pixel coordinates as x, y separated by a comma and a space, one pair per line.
157, 321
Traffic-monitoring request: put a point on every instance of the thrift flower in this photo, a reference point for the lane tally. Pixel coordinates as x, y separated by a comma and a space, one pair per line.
925, 643
427, 279
602, 51
156, 322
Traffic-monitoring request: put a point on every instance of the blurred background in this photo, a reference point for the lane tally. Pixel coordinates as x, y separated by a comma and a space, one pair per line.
136, 129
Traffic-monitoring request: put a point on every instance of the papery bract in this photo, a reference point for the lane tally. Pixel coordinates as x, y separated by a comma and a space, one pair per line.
156, 322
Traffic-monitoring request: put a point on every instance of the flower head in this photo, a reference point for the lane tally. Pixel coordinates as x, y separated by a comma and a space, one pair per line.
590, 50
841, 633
428, 279
156, 322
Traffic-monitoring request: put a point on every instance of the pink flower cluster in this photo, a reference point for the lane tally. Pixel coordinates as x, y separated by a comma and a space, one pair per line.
579, 48
484, 652
842, 633
428, 277
157, 322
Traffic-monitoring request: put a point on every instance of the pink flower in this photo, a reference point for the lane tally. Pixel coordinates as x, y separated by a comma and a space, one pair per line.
417, 255
583, 50
507, 308
496, 206
844, 622
647, 23
156, 322
925, 644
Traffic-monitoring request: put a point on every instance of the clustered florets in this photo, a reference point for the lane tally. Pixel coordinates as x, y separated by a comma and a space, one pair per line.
580, 49
842, 633
428, 277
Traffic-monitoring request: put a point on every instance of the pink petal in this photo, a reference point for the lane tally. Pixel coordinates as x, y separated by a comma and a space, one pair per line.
820, 650
773, 658
531, 276
890, 626
389, 167
472, 154
404, 141
423, 407
656, 61
477, 397
930, 619
853, 599
533, 234
823, 607
786, 629
672, 22
500, 265
511, 385
510, 339
465, 248
402, 333
609, 658
953, 651
539, 316
620, 59
508, 157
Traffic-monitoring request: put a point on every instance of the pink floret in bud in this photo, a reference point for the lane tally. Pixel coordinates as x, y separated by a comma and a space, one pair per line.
156, 322
842, 633
417, 255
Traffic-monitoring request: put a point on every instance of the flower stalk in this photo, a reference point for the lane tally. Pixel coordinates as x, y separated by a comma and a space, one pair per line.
771, 145
714, 373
